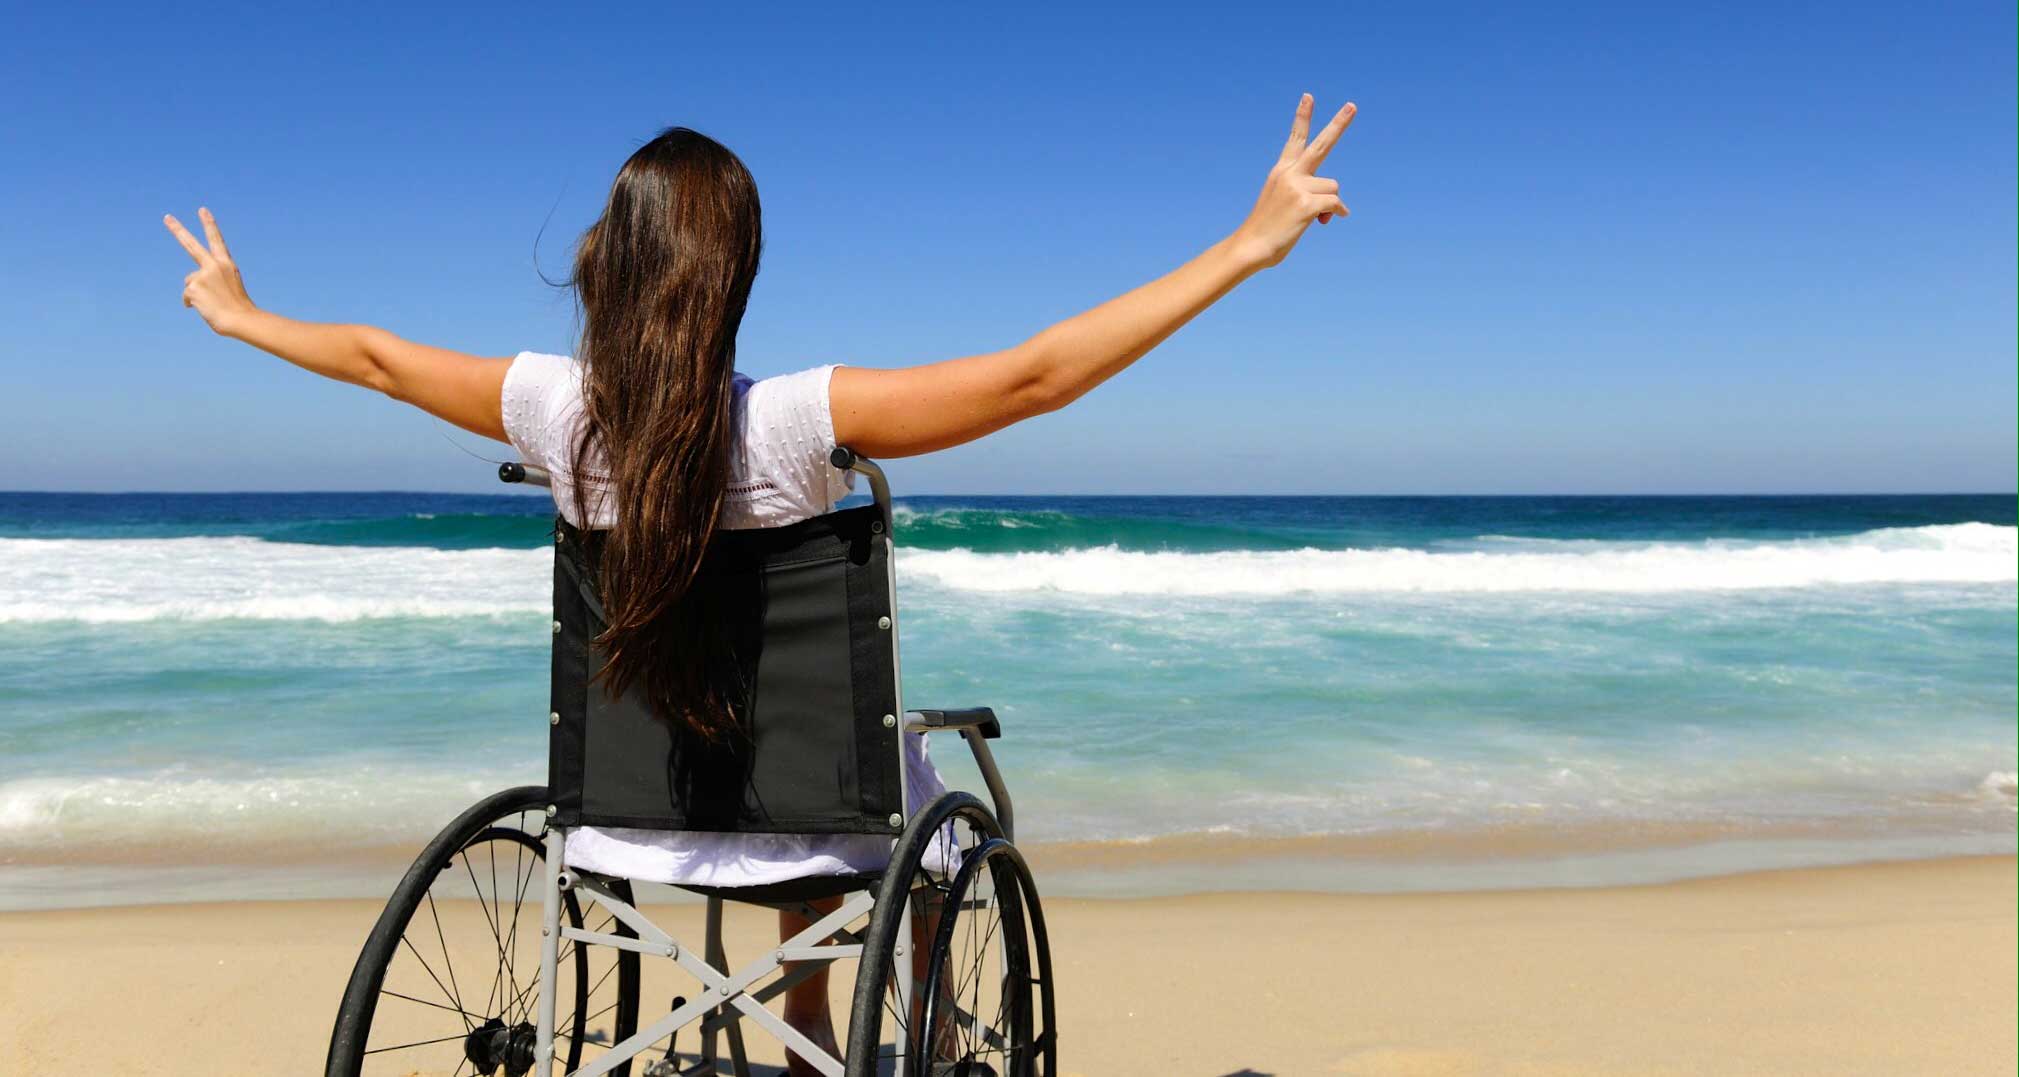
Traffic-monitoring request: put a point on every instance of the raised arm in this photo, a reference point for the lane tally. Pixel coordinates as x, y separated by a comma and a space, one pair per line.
464, 389
924, 408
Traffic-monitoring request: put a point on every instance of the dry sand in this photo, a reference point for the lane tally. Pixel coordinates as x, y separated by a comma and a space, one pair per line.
1880, 969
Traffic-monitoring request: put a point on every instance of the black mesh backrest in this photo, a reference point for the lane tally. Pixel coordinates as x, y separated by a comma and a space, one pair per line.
798, 608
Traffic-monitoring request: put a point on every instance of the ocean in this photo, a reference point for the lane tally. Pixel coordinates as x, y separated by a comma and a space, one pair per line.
208, 696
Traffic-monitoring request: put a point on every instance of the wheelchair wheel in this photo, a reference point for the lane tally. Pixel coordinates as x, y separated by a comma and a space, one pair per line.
983, 992
986, 1009
448, 980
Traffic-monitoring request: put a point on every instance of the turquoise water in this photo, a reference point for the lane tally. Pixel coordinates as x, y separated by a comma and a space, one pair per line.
257, 679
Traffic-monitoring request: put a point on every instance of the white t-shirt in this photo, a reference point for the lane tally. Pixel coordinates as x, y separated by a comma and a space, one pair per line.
779, 474
778, 471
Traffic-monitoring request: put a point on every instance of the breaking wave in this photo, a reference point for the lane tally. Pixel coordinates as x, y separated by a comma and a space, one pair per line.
240, 577
1948, 553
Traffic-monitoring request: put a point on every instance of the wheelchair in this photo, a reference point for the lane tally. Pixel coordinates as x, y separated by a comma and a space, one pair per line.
495, 956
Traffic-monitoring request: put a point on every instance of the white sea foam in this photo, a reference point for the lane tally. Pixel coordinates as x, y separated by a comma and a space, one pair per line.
349, 803
1951, 553
358, 805
217, 578
115, 580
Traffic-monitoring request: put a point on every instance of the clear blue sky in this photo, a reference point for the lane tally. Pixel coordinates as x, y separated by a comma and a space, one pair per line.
1595, 248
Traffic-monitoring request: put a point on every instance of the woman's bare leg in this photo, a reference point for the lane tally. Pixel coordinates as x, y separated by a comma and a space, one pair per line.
806, 1006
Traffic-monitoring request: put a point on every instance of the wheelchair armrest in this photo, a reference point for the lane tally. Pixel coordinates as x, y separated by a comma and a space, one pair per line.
980, 719
977, 726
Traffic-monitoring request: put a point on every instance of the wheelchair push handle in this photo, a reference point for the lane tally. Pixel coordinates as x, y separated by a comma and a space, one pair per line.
847, 459
516, 472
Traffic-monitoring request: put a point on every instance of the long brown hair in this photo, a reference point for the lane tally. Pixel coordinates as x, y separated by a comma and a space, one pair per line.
663, 277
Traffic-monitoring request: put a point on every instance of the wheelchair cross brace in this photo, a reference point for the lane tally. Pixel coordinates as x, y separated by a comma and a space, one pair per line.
809, 949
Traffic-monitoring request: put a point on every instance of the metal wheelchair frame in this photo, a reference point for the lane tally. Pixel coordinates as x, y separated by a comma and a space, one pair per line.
730, 997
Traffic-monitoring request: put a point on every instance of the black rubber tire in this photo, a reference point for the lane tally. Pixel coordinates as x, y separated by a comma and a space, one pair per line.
865, 1021
352, 1033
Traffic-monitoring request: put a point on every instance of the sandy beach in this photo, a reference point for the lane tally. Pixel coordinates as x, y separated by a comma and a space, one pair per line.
1901, 968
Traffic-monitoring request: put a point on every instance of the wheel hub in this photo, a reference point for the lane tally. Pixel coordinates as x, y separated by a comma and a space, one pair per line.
493, 1045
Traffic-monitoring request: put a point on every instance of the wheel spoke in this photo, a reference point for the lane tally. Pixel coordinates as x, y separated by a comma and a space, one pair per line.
447, 962
425, 967
497, 914
416, 1043
993, 923
902, 1021
499, 976
971, 975
591, 992
559, 959
599, 1013
528, 989
518, 902
465, 1013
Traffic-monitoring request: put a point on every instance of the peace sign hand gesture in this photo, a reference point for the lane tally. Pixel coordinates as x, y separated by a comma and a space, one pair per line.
1293, 196
215, 289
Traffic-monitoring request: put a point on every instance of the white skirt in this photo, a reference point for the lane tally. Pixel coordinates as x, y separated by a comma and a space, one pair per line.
694, 858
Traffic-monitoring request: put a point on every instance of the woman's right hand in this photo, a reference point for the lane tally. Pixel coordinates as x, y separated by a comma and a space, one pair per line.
1293, 196
215, 290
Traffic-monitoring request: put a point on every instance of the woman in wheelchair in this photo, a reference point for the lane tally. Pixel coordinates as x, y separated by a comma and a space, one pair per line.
717, 623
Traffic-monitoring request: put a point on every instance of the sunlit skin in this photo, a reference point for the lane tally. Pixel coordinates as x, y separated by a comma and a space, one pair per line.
880, 413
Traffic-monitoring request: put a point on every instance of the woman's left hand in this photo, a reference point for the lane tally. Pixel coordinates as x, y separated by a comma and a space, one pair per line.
215, 289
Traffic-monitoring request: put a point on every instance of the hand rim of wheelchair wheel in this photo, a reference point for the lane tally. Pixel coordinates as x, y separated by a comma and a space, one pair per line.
907, 874
957, 1042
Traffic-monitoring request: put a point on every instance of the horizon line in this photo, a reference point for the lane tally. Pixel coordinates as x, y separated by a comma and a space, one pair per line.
899, 497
